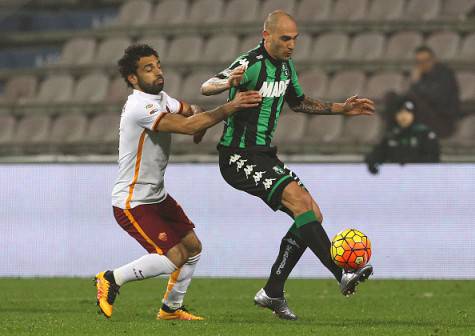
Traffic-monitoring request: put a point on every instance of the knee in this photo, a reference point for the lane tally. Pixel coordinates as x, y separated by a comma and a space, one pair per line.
194, 248
303, 203
178, 255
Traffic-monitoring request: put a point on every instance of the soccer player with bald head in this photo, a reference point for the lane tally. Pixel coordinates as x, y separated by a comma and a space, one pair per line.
249, 162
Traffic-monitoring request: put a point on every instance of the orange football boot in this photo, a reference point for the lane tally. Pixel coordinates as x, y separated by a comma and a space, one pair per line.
106, 294
179, 314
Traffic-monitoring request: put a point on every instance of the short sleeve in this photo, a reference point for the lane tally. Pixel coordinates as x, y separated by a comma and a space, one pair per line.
294, 94
172, 105
148, 117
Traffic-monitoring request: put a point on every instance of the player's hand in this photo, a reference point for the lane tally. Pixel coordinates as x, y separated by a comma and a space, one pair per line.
197, 137
236, 75
355, 106
244, 100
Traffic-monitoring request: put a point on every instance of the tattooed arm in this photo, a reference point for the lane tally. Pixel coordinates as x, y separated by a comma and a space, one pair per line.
217, 85
351, 107
313, 106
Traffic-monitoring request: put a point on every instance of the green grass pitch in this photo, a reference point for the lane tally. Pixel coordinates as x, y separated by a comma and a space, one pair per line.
381, 307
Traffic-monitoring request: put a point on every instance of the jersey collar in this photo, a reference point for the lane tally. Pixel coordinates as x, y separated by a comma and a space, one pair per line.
148, 95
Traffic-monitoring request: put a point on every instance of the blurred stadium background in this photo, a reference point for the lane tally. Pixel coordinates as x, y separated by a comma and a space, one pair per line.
60, 104
60, 93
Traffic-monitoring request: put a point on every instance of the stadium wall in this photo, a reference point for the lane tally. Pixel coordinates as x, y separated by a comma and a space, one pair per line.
56, 219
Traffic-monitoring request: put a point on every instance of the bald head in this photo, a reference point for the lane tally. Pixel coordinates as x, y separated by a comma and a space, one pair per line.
278, 18
280, 33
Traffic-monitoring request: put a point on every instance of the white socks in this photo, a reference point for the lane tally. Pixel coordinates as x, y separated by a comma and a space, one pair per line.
148, 266
179, 282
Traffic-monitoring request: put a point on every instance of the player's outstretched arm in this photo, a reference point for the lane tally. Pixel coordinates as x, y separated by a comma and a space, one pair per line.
217, 85
176, 123
353, 106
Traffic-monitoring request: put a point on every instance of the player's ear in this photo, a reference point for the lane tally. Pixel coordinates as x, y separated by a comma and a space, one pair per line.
133, 79
265, 34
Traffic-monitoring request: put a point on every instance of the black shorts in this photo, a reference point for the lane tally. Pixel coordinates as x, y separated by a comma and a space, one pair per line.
257, 171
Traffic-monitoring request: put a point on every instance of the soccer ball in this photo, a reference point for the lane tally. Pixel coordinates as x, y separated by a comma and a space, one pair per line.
351, 249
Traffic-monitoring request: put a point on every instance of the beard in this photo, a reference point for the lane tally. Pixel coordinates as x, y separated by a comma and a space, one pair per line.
151, 88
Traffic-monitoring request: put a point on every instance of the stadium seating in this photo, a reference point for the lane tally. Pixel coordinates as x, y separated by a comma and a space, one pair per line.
221, 48
78, 51
192, 84
422, 9
91, 88
467, 49
401, 45
456, 9
249, 42
290, 129
20, 89
313, 10
118, 91
170, 12
386, 10
271, 5
110, 50
345, 84
185, 49
173, 82
33, 129
56, 89
103, 130
444, 44
133, 13
464, 137
362, 130
205, 11
195, 39
322, 130
349, 10
159, 43
330, 46
366, 46
466, 82
7, 129
241, 11
381, 83
304, 48
314, 83
68, 129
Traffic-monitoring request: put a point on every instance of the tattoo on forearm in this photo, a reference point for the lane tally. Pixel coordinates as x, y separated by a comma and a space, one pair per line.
216, 84
313, 106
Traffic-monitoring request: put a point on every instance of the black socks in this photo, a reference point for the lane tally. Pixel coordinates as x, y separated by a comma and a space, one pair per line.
315, 237
291, 249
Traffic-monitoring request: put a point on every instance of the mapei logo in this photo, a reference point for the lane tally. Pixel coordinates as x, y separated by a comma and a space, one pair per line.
274, 89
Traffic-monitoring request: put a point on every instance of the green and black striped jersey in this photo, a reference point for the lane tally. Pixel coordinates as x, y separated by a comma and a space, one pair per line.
277, 81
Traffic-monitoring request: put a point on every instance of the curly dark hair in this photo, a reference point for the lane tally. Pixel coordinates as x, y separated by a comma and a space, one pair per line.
128, 62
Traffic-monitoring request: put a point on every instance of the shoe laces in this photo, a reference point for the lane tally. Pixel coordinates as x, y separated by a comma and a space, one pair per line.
112, 292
